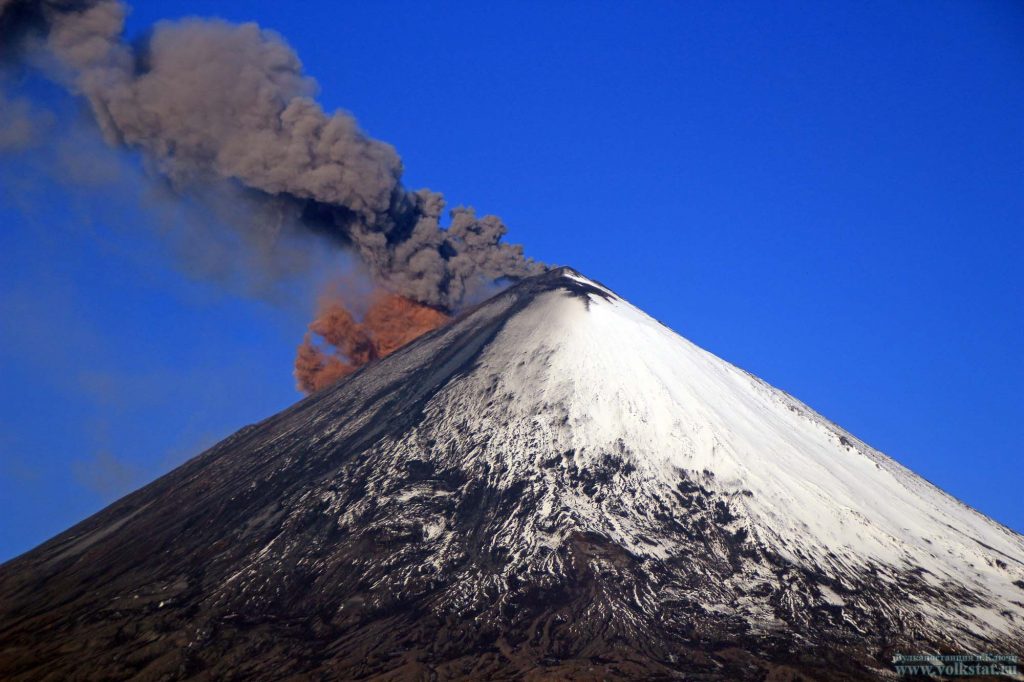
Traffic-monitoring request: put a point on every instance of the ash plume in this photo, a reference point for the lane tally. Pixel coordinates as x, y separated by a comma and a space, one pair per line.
390, 322
209, 103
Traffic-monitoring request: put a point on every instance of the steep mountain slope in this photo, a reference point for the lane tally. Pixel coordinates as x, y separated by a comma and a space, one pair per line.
554, 486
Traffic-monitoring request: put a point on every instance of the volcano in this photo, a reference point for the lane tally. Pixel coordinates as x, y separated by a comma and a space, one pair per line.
553, 486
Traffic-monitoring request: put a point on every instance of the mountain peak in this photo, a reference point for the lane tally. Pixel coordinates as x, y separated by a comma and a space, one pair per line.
562, 278
553, 484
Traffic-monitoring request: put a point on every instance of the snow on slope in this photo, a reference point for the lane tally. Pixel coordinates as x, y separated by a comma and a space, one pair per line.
595, 375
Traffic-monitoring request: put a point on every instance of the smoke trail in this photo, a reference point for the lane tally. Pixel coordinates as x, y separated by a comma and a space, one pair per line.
20, 124
210, 102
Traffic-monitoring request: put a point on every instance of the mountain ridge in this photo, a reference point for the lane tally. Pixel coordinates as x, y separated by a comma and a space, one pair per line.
554, 485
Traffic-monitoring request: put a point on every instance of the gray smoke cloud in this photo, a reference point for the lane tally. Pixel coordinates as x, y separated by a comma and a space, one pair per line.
208, 102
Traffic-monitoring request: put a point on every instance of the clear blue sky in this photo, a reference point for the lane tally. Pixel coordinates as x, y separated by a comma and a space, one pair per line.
828, 194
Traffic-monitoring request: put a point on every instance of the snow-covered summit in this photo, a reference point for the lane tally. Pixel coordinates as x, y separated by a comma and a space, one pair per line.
579, 370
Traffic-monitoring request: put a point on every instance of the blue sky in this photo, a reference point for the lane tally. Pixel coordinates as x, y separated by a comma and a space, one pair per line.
830, 195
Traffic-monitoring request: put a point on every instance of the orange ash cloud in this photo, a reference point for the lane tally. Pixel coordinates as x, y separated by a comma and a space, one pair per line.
390, 322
